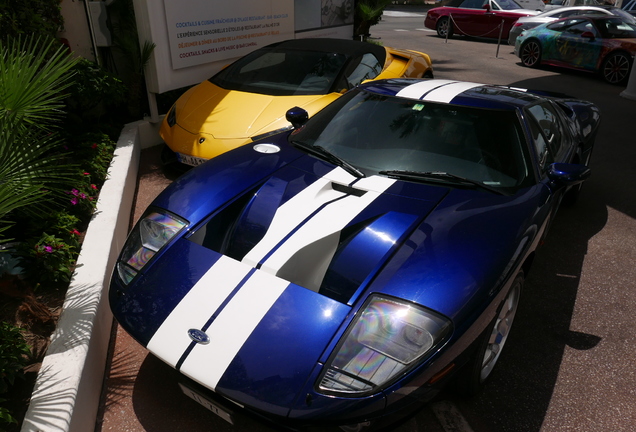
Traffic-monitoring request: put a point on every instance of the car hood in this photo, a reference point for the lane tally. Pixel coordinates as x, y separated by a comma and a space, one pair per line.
277, 264
524, 11
231, 114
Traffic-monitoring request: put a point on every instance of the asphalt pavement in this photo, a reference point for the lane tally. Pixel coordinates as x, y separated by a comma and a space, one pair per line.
569, 364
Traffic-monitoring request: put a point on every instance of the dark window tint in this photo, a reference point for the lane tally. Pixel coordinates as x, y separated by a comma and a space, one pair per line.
382, 133
283, 72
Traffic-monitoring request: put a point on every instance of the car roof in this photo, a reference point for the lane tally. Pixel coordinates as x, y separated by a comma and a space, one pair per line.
455, 92
344, 46
599, 8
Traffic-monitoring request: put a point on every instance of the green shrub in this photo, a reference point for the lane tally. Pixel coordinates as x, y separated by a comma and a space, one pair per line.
36, 17
49, 250
95, 95
13, 358
49, 259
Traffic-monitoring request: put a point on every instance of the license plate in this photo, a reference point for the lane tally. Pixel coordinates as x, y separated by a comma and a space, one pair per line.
212, 406
190, 160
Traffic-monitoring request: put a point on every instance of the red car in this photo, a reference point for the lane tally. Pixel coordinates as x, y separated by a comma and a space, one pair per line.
477, 18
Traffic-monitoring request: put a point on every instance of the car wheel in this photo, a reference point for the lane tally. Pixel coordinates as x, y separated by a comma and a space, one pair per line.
531, 53
444, 27
473, 375
616, 67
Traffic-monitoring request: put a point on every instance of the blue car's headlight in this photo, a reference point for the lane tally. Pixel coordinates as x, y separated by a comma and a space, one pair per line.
152, 232
387, 338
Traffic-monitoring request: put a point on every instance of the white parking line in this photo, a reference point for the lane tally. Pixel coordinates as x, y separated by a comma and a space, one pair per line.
450, 418
418, 29
399, 14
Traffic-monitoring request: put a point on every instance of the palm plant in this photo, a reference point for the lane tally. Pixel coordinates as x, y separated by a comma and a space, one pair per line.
368, 13
33, 77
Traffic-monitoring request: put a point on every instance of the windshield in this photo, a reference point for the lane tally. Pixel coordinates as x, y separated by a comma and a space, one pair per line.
279, 72
377, 133
507, 4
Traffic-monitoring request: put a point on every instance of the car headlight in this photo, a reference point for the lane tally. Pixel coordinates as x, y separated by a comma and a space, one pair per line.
172, 116
152, 233
387, 339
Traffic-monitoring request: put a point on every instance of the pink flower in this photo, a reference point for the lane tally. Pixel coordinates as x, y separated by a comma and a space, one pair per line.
48, 249
74, 201
93, 187
94, 146
75, 192
87, 173
82, 195
75, 232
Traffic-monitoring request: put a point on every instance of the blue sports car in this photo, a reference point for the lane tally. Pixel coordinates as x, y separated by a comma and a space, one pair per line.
342, 273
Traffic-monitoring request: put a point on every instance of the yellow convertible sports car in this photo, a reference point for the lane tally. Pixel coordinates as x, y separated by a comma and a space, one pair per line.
248, 99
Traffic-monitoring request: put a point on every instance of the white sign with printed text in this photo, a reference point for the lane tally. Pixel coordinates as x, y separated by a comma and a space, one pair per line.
202, 31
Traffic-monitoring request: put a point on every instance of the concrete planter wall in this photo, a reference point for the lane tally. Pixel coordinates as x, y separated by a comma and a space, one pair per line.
68, 386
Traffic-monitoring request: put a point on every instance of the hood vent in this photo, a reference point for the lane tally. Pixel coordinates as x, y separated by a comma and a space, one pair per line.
347, 189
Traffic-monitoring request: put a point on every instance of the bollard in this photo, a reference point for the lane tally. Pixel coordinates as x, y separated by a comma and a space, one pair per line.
499, 40
630, 91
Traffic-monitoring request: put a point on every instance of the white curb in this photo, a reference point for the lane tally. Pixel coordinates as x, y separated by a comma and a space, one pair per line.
68, 386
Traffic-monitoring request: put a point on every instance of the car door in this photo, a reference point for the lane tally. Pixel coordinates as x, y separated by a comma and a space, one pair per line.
578, 45
553, 143
471, 19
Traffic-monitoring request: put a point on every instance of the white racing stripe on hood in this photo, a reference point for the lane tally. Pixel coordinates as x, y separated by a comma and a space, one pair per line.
237, 320
305, 256
206, 364
436, 90
297, 209
196, 308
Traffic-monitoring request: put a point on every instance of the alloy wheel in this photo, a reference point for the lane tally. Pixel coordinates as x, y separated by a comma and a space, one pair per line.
531, 54
500, 331
616, 68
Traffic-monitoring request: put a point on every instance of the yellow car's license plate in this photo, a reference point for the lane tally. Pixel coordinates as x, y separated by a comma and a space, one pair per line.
190, 160
212, 406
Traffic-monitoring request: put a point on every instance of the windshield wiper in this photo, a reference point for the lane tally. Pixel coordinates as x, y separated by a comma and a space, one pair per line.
437, 176
330, 157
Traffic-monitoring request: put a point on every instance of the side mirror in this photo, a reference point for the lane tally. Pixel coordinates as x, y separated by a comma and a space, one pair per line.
588, 34
563, 174
486, 7
297, 117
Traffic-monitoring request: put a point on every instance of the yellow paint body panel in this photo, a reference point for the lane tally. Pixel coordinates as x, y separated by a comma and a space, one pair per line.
211, 120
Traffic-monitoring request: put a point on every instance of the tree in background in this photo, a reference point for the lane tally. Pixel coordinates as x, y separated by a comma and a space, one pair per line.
130, 55
40, 18
368, 13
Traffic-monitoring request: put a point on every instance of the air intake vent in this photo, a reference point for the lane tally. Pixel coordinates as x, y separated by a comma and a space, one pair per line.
347, 189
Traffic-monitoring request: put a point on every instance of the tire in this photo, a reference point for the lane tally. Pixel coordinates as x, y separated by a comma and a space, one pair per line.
476, 372
616, 67
444, 26
530, 53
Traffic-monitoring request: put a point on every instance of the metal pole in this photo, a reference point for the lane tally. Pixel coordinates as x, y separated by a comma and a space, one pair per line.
499, 41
